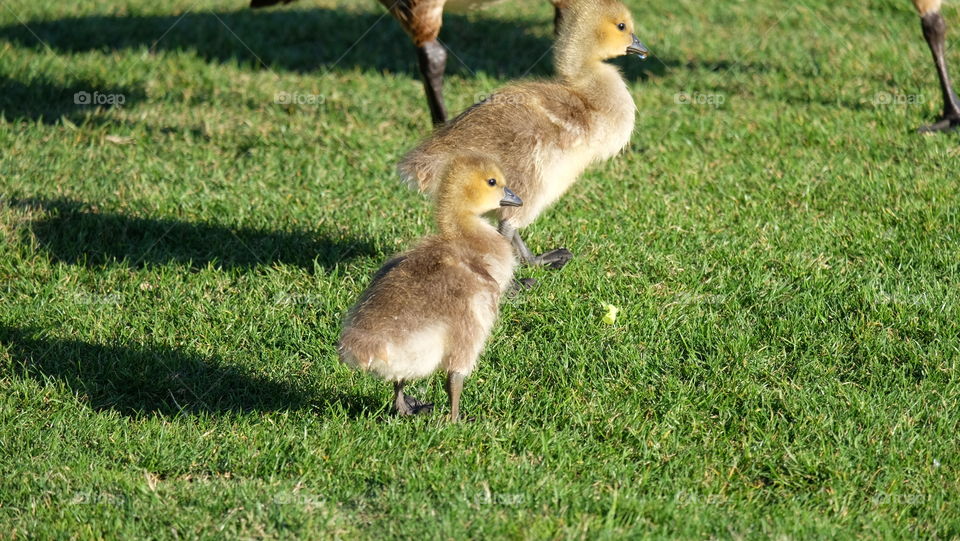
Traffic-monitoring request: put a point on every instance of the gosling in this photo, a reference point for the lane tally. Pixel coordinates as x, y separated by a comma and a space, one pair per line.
434, 306
544, 134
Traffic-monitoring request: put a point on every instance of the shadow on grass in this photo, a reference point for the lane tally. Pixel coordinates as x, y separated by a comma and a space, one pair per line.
159, 380
305, 40
47, 102
73, 233
658, 66
296, 39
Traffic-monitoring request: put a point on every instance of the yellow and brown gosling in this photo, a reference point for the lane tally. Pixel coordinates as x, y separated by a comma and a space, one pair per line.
434, 306
545, 133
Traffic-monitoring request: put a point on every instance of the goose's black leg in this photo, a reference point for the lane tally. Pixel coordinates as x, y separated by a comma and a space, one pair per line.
554, 259
408, 405
433, 61
935, 32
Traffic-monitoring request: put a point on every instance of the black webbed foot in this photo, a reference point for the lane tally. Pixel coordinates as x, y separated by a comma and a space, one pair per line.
555, 259
407, 405
944, 124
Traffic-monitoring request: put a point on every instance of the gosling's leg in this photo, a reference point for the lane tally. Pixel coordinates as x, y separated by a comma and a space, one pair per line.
408, 405
454, 387
555, 259
433, 61
935, 32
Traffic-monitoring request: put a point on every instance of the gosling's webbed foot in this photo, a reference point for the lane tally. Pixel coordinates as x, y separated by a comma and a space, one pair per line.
520, 284
946, 123
555, 259
525, 283
415, 406
406, 404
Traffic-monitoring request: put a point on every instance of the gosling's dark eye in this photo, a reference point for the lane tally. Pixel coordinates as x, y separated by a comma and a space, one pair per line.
621, 27
492, 181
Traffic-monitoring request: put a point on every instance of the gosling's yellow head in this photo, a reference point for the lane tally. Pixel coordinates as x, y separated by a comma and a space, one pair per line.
602, 27
474, 184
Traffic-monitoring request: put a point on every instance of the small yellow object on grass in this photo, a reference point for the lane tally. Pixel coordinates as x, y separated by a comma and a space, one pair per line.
611, 316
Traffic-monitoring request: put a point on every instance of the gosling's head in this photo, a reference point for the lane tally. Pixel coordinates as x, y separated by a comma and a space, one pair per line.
602, 27
474, 185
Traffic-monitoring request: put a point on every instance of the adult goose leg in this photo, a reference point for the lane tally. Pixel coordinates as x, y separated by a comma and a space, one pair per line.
935, 32
433, 62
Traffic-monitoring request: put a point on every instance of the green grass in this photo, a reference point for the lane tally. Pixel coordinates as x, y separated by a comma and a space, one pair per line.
173, 273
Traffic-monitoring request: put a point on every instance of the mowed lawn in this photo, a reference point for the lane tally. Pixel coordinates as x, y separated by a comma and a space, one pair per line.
783, 248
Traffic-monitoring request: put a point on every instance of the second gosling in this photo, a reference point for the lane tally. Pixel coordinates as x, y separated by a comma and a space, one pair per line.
435, 305
544, 134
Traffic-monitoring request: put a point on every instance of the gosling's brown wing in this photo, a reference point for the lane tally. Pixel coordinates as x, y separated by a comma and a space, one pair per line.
511, 124
383, 271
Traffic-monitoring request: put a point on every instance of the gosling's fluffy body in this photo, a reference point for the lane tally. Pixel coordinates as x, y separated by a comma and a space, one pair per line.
434, 306
544, 134
430, 308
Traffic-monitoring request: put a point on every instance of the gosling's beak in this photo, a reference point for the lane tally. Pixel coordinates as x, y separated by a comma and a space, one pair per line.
638, 48
510, 199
